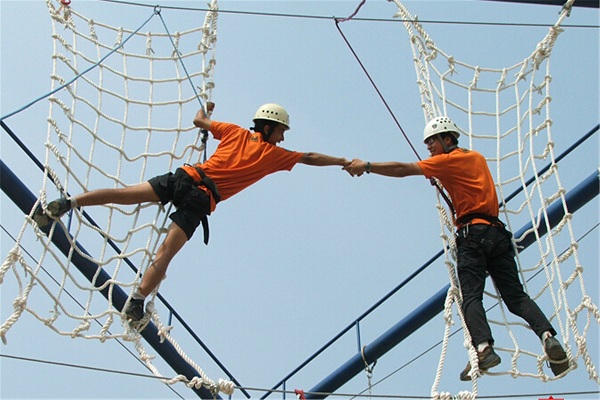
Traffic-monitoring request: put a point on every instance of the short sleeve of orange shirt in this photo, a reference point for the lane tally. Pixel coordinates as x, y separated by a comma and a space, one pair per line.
242, 158
467, 178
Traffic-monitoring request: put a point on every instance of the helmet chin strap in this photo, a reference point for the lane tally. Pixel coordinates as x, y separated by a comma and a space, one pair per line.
447, 149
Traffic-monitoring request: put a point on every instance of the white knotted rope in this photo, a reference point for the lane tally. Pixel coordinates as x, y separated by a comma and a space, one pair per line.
504, 113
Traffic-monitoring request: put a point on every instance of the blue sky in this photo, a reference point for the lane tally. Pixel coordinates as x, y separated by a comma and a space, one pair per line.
299, 256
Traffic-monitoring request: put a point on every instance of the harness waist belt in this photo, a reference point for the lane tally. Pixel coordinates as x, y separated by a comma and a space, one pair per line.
206, 181
466, 219
210, 185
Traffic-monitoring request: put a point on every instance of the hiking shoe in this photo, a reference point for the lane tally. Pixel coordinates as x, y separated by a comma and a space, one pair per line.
135, 310
486, 359
55, 209
559, 362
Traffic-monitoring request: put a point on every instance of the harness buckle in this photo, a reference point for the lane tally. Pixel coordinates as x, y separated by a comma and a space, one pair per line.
463, 231
207, 182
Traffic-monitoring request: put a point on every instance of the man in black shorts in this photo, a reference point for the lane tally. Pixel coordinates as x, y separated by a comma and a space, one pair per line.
192, 203
241, 159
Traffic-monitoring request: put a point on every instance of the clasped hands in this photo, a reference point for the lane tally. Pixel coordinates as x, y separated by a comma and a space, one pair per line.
356, 167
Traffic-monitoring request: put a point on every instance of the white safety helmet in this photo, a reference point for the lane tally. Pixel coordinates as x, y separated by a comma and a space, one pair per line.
273, 112
440, 125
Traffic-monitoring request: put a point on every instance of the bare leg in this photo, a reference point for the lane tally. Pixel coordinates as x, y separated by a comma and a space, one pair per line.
141, 193
174, 241
130, 195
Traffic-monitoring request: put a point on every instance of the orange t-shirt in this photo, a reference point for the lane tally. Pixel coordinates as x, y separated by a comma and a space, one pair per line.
241, 159
467, 178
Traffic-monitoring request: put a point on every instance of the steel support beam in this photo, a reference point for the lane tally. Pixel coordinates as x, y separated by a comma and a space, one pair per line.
24, 199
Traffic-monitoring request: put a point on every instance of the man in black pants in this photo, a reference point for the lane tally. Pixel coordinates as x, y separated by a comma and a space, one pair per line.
483, 244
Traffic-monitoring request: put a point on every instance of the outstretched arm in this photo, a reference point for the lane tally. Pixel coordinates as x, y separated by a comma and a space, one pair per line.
201, 120
394, 169
322, 160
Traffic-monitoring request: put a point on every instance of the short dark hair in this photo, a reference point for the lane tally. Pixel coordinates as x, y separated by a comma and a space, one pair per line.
259, 126
450, 135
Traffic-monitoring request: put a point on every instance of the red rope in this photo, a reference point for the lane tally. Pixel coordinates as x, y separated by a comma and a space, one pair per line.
385, 103
353, 14
432, 181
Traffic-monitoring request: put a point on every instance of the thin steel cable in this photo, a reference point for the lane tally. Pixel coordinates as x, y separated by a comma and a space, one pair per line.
61, 87
322, 17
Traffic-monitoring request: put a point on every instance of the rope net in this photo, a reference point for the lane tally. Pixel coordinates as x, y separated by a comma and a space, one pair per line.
123, 116
504, 113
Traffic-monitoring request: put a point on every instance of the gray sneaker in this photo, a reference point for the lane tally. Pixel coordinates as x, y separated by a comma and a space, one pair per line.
559, 362
486, 359
135, 310
54, 210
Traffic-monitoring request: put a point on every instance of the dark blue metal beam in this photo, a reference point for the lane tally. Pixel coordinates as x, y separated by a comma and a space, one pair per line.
412, 276
403, 329
117, 250
575, 199
24, 199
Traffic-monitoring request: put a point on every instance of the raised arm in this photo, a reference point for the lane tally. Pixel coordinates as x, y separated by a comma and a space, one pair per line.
394, 169
322, 160
201, 120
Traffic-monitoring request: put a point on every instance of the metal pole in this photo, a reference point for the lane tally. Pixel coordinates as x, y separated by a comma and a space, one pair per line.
575, 199
403, 329
24, 199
